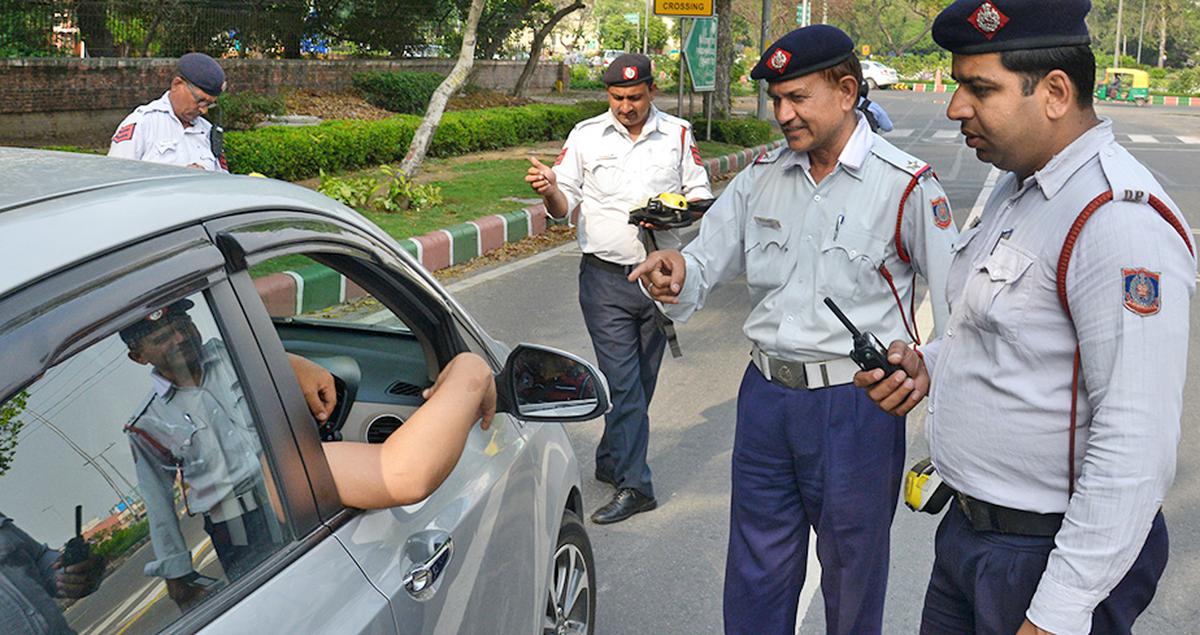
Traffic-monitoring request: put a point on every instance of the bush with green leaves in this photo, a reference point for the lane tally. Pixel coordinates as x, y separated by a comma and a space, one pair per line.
739, 131
242, 111
403, 91
389, 192
337, 146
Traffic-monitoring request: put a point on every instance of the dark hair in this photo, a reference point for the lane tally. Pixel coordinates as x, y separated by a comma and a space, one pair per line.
1078, 62
850, 67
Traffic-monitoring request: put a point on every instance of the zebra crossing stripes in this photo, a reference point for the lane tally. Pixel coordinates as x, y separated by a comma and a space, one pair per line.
1142, 138
945, 134
1189, 140
899, 132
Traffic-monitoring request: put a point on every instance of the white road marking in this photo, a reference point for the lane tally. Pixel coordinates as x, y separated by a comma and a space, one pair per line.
945, 134
899, 132
1189, 140
1142, 138
812, 577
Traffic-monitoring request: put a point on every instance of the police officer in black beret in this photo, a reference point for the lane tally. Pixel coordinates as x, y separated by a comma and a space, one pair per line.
1057, 391
839, 212
172, 129
610, 165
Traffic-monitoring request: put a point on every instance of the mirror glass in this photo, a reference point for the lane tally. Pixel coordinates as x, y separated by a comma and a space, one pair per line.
547, 383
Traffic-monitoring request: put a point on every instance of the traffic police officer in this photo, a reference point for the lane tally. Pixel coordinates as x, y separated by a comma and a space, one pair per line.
842, 213
171, 129
610, 165
1057, 388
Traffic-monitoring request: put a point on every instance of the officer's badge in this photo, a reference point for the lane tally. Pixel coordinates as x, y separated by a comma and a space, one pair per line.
629, 72
562, 154
779, 60
988, 20
124, 134
1141, 291
941, 212
155, 316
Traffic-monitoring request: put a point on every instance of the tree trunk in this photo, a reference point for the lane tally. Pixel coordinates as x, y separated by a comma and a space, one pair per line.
721, 101
437, 103
539, 38
1162, 34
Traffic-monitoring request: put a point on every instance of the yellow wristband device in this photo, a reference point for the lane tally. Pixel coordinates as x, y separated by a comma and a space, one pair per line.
924, 490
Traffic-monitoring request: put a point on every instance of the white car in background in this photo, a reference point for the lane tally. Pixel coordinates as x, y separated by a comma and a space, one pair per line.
878, 75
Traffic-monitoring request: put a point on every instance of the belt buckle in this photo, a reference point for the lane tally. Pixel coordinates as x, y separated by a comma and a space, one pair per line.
789, 377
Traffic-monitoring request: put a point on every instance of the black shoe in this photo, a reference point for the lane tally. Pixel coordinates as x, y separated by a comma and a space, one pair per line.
606, 477
625, 503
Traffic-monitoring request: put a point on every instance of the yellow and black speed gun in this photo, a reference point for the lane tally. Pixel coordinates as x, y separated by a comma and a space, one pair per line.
924, 490
669, 211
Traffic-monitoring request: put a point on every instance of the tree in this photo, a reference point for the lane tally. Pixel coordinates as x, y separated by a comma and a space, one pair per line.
10, 428
539, 38
437, 104
721, 102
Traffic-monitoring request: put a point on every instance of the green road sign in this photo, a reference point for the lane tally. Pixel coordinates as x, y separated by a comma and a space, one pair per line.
633, 18
700, 49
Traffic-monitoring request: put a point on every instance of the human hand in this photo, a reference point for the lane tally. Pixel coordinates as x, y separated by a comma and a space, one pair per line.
1029, 628
317, 385
662, 274
79, 579
472, 370
541, 177
901, 392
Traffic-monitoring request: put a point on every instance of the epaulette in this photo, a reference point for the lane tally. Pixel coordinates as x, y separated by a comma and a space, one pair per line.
770, 156
141, 410
602, 117
1128, 179
898, 158
675, 120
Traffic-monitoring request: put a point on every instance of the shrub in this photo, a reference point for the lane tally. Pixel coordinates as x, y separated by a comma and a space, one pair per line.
336, 146
741, 131
363, 193
1158, 73
242, 111
403, 92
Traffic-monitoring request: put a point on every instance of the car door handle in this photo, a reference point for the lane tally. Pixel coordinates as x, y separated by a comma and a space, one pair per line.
422, 577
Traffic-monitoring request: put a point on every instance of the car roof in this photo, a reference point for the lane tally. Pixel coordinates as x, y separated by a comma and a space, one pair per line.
59, 208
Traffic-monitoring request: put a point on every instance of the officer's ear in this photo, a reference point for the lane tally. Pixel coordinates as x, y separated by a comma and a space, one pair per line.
136, 357
1058, 94
847, 88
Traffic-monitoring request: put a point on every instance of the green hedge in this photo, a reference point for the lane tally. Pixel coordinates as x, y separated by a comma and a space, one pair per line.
404, 92
336, 146
241, 111
740, 131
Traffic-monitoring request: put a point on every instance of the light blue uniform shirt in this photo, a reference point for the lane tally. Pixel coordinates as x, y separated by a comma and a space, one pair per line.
798, 241
999, 410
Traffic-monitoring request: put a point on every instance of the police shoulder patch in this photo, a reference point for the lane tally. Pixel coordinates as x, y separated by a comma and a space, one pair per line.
562, 154
124, 133
696, 156
769, 156
941, 212
1142, 293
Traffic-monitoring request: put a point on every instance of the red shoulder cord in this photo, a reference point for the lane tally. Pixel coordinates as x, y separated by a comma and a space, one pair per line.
1064, 261
910, 328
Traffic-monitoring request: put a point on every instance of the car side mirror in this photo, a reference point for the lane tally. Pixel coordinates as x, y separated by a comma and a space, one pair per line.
540, 383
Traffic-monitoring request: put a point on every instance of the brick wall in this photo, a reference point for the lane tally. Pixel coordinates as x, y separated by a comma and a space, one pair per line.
63, 85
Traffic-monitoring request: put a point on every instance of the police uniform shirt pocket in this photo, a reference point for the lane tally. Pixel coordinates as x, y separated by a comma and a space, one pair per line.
606, 174
999, 294
849, 264
769, 261
163, 151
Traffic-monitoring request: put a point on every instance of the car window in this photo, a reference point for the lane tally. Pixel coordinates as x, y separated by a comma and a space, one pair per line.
327, 316
133, 483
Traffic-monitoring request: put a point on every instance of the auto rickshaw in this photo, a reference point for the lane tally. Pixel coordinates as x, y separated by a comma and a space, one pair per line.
1124, 84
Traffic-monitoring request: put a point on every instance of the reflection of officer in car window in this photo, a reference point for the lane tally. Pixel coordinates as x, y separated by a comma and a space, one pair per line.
31, 576
195, 424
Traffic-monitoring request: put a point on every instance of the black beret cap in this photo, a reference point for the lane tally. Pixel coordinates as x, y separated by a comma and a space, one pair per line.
202, 71
972, 27
150, 323
627, 70
803, 51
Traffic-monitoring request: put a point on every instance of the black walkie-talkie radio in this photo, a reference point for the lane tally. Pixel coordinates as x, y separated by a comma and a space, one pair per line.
868, 352
76, 549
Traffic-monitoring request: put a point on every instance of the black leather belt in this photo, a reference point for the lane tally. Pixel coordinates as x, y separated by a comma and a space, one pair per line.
985, 516
604, 265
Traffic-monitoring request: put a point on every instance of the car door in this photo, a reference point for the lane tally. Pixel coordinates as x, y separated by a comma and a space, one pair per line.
80, 395
463, 560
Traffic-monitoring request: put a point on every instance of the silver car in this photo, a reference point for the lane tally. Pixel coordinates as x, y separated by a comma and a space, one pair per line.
219, 514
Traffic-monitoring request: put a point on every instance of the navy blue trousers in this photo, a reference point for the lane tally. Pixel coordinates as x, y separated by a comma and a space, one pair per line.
983, 582
629, 349
828, 459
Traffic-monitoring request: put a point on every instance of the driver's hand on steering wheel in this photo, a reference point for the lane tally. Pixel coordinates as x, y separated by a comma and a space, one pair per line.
317, 385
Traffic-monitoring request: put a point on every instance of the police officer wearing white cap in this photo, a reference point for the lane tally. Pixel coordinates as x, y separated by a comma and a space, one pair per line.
610, 165
1057, 389
172, 129
838, 213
